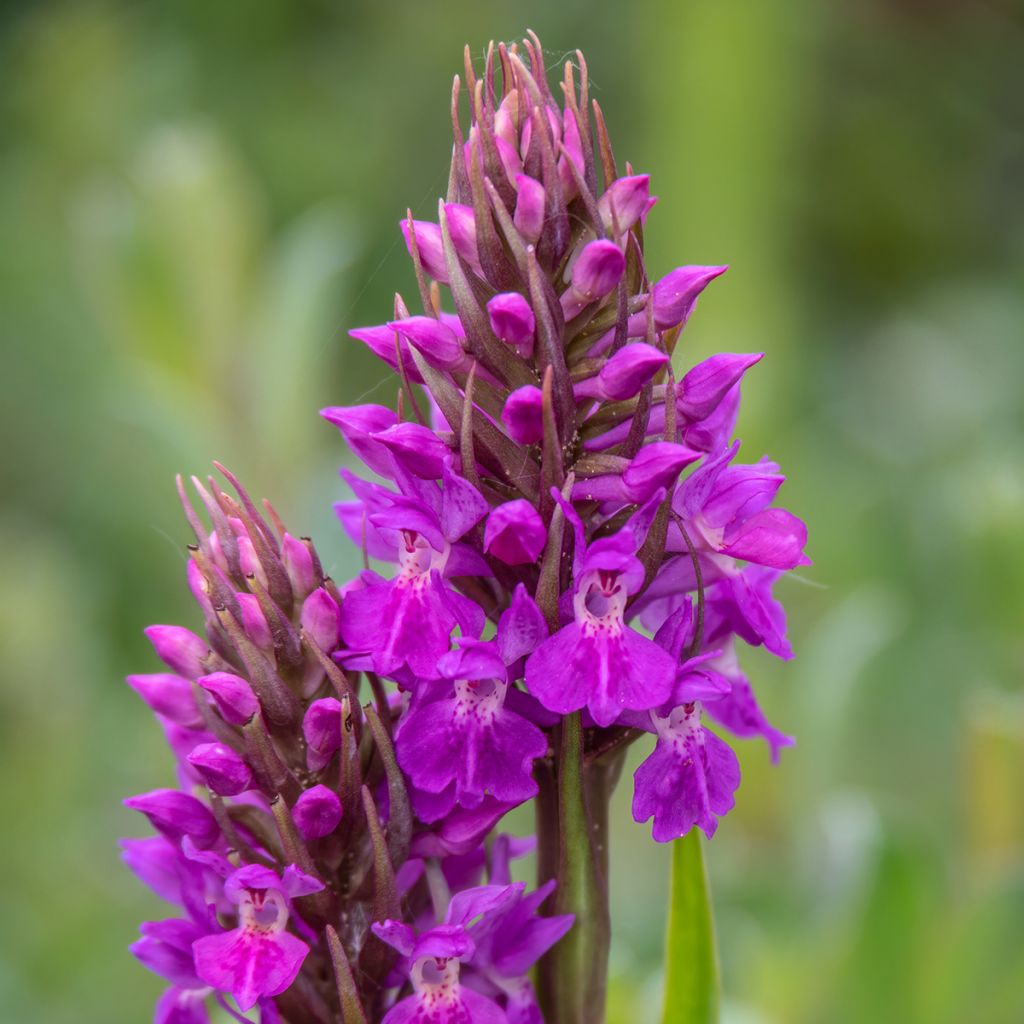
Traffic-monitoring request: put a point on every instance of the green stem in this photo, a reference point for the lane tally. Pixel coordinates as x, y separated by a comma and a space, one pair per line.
691, 955
573, 976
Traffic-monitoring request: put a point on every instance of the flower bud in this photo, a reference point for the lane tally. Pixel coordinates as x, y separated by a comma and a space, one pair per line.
707, 383
380, 340
179, 649
168, 695
430, 247
176, 815
512, 321
523, 414
322, 729
254, 622
656, 465
317, 812
223, 770
515, 533
437, 342
297, 559
676, 293
321, 621
529, 215
232, 695
625, 373
624, 202
358, 424
462, 228
595, 273
418, 448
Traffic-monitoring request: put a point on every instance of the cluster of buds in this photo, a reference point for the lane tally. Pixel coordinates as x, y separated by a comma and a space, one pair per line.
559, 589
309, 887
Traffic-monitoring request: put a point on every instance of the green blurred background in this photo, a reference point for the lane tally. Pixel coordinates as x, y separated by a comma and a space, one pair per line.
198, 199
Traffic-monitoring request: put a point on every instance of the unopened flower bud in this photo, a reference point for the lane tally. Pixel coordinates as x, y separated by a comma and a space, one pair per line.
168, 695
462, 228
322, 729
624, 202
707, 383
625, 373
418, 448
321, 621
437, 342
595, 273
656, 465
523, 414
676, 293
515, 533
222, 769
529, 215
430, 247
512, 321
179, 649
232, 695
317, 812
176, 815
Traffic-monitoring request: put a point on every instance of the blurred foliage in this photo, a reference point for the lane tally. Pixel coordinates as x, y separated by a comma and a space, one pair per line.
197, 200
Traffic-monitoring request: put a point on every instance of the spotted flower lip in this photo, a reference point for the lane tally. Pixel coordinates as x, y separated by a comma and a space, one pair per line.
258, 958
562, 554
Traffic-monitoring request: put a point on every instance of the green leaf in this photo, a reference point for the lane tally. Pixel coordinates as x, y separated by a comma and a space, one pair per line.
691, 956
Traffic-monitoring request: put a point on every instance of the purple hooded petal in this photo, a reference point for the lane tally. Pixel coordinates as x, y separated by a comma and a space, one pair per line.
739, 493
676, 293
179, 649
624, 202
740, 713
656, 465
515, 533
629, 370
482, 901
523, 415
703, 387
430, 245
744, 604
474, 659
438, 343
182, 1006
462, 506
385, 344
176, 815
168, 695
773, 537
358, 424
418, 448
157, 863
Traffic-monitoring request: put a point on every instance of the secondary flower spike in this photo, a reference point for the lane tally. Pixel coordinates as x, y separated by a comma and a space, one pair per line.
563, 555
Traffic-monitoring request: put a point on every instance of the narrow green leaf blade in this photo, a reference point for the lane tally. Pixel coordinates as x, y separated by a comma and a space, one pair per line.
691, 955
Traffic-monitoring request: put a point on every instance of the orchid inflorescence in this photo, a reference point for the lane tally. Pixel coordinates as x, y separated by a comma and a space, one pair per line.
555, 589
